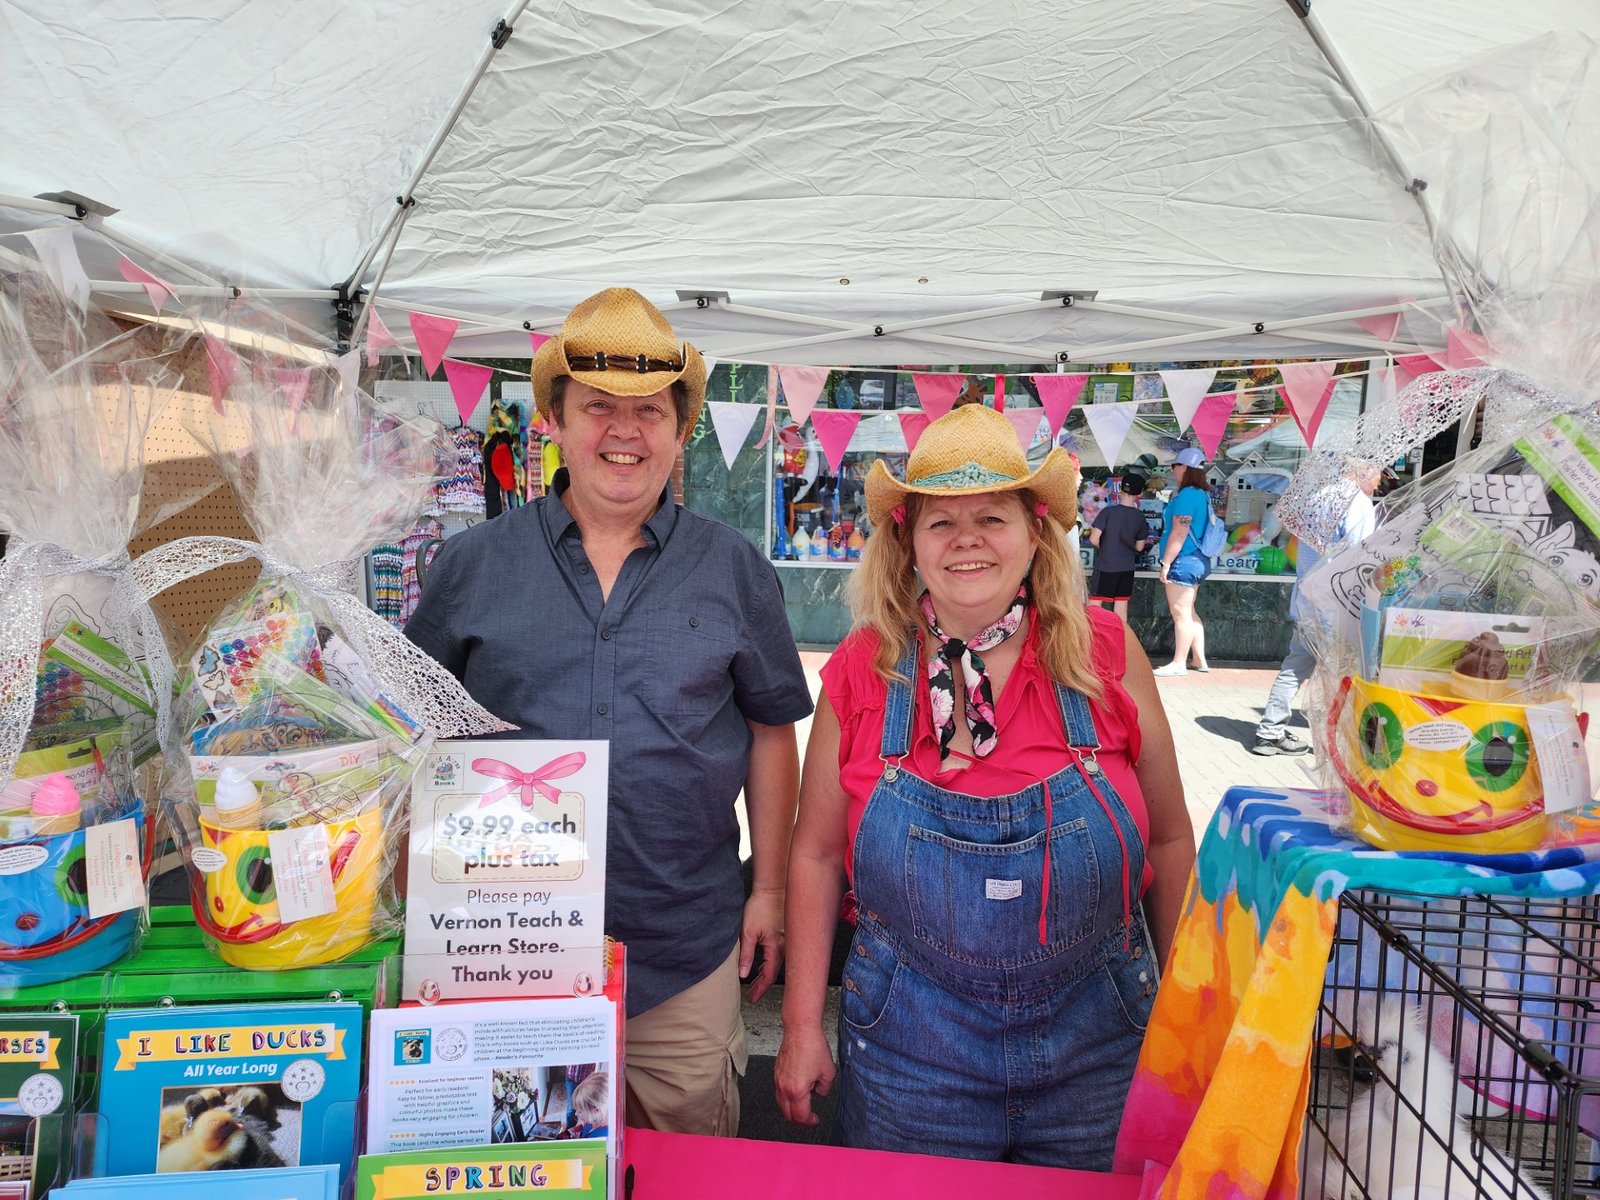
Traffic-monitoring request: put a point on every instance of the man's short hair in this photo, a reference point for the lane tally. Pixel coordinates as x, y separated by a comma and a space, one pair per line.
558, 396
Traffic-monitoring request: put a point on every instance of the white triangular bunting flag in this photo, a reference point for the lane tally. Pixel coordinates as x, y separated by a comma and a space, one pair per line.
1380, 385
733, 423
1185, 390
1025, 422
347, 367
57, 250
1110, 424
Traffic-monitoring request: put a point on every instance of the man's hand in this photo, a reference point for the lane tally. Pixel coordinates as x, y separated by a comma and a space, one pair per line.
763, 926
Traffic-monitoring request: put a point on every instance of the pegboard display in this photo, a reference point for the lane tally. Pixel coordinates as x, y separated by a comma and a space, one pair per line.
178, 469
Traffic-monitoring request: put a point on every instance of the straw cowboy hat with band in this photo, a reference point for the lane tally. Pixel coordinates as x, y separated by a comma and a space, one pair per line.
970, 451
617, 342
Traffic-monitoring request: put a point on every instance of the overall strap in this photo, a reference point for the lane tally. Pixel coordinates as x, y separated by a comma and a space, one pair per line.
1077, 718
899, 706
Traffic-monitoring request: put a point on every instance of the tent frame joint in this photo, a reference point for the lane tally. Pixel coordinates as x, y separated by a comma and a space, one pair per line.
500, 34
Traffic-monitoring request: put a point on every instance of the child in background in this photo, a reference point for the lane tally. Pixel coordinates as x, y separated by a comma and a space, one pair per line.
1118, 535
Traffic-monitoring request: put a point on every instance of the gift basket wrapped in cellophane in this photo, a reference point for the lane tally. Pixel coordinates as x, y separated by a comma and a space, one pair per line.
1454, 643
299, 715
78, 711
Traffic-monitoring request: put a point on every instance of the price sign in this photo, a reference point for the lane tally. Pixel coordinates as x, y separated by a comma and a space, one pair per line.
506, 891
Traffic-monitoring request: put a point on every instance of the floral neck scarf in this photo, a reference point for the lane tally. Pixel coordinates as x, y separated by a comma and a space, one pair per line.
975, 676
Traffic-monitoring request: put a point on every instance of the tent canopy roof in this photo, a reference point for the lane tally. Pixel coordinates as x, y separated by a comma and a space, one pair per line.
873, 164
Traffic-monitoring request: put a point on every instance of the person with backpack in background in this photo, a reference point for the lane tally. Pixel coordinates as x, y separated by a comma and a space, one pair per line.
1185, 523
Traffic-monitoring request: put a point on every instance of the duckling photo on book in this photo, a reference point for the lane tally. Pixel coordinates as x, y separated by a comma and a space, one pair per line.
218, 1129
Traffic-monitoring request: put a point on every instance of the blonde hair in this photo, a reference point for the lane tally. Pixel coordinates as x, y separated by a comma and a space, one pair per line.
591, 1097
884, 591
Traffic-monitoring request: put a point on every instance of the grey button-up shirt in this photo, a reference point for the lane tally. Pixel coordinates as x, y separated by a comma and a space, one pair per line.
692, 641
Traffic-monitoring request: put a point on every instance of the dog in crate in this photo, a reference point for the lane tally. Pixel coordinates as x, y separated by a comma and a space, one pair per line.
1401, 1135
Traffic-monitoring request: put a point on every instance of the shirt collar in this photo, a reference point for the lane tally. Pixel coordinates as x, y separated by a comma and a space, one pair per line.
562, 523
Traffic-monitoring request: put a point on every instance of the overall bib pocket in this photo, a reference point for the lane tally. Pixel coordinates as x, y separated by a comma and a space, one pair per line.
979, 903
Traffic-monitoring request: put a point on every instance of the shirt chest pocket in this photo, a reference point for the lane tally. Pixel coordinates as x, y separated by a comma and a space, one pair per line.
690, 658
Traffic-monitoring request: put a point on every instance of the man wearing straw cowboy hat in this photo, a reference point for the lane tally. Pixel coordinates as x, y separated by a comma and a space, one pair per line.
604, 610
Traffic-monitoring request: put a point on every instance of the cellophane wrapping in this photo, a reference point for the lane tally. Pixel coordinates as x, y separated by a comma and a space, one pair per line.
77, 397
1453, 644
296, 684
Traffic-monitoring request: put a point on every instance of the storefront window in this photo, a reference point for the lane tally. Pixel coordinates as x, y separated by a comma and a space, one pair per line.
818, 515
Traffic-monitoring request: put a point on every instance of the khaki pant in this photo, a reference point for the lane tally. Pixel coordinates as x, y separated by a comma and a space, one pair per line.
681, 1057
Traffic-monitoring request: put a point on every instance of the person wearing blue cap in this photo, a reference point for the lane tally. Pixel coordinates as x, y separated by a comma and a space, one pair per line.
1183, 566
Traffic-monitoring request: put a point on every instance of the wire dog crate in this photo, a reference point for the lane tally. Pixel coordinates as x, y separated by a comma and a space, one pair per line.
1457, 1051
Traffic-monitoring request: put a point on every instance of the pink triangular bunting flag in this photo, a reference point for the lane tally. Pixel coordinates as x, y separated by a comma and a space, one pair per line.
937, 393
294, 382
1381, 325
1211, 420
158, 289
1464, 348
1185, 390
468, 381
732, 423
1307, 417
378, 336
1414, 366
911, 426
1025, 423
1307, 388
1110, 424
801, 388
538, 339
433, 336
221, 365
1058, 393
1000, 393
834, 431
772, 407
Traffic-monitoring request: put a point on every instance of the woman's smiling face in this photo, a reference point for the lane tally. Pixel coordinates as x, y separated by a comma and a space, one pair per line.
972, 553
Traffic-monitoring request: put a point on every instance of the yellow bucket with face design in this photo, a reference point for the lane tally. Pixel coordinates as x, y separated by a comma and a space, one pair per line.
234, 894
1431, 772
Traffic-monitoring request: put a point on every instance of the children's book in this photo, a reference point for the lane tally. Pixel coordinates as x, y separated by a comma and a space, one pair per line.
228, 1087
548, 1169
279, 1183
38, 1062
477, 1073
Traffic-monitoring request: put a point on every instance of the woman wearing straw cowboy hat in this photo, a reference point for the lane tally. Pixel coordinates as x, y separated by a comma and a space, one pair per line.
604, 610
991, 772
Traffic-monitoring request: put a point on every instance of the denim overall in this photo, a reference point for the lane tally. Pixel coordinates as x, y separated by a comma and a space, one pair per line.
998, 986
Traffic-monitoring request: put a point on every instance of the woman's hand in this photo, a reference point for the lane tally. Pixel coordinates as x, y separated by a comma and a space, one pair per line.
1162, 573
804, 1068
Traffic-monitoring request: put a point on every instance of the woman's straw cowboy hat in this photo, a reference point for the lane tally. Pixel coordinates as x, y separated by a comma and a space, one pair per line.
618, 342
969, 451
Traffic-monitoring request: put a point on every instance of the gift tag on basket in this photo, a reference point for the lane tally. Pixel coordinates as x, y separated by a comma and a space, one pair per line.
114, 879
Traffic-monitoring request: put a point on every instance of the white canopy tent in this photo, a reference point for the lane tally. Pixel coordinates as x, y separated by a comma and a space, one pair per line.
872, 183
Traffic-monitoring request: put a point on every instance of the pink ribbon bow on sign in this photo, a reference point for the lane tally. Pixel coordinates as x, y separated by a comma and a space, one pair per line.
527, 782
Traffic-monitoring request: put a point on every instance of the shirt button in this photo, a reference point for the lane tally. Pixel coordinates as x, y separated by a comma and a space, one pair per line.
583, 568
601, 709
605, 635
694, 622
